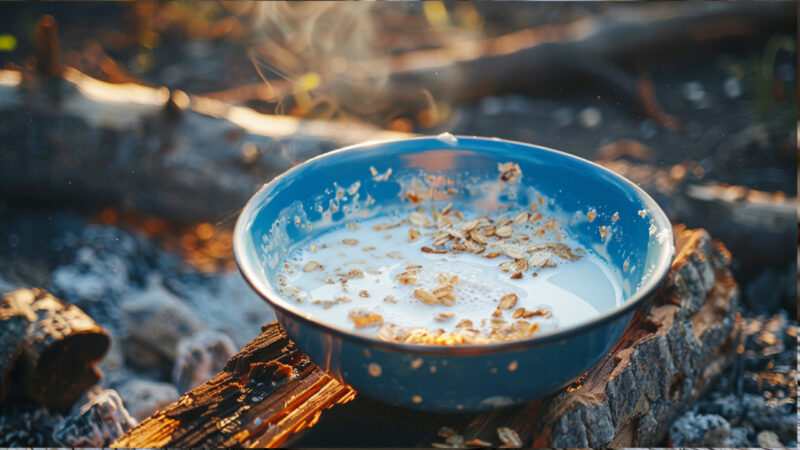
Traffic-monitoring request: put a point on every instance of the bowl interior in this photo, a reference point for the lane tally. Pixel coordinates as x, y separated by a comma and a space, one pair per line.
363, 180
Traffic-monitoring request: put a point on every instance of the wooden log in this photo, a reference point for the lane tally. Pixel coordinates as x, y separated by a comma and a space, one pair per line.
675, 346
267, 391
731, 213
72, 138
50, 348
671, 351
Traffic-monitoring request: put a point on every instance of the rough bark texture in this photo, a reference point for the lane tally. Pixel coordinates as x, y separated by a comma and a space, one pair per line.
50, 348
670, 352
674, 347
267, 391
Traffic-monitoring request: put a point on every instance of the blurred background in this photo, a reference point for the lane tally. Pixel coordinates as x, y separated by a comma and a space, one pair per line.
132, 133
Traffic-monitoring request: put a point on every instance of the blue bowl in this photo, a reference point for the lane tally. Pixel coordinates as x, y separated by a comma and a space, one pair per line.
460, 378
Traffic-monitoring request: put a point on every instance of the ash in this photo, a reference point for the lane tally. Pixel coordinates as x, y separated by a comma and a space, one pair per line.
754, 403
172, 326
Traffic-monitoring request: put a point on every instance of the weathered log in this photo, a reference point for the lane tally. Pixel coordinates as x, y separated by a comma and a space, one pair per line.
585, 48
50, 348
70, 137
671, 351
675, 346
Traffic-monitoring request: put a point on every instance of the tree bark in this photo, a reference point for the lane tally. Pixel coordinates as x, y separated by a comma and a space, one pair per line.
50, 348
674, 347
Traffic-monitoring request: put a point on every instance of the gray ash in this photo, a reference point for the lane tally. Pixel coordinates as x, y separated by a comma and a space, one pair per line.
755, 401
27, 426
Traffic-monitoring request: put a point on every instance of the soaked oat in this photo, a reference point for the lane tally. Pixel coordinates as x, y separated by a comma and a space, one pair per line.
447, 265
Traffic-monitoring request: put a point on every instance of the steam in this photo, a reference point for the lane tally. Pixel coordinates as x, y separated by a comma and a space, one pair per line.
321, 53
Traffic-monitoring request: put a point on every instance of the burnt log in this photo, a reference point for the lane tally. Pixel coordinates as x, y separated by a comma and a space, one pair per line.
672, 350
675, 346
49, 347
266, 392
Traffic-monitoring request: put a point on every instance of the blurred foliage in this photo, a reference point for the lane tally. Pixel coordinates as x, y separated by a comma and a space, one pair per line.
8, 43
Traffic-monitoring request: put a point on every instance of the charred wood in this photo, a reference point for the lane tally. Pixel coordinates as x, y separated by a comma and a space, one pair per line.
50, 348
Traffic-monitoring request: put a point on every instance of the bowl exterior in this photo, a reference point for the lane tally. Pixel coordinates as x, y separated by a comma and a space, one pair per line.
455, 383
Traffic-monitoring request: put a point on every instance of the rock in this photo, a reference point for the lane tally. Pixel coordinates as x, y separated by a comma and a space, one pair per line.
768, 439
738, 438
107, 264
107, 261
200, 357
145, 397
590, 117
155, 320
92, 275
95, 424
728, 406
700, 430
